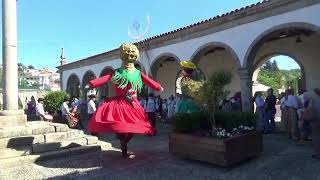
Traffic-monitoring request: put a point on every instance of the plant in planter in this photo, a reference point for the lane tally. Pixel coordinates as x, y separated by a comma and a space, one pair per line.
228, 143
209, 92
222, 138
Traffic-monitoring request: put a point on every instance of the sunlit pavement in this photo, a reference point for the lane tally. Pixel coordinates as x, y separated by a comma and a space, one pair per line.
282, 159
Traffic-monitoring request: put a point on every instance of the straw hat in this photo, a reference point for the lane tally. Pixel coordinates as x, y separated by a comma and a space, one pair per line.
188, 64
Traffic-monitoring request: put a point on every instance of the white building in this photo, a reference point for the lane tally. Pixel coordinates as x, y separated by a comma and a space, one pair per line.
48, 79
239, 41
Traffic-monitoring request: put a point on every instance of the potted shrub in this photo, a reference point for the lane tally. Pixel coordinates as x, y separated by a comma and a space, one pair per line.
221, 138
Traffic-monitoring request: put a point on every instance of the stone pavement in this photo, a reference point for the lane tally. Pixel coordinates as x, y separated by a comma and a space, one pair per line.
282, 159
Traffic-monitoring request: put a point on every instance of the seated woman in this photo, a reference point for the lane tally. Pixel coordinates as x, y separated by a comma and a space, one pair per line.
44, 116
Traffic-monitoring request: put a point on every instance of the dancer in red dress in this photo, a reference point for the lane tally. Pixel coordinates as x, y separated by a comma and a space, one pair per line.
123, 113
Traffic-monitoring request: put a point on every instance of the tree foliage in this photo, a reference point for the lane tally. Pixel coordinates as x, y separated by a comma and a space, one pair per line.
270, 75
31, 67
53, 100
210, 91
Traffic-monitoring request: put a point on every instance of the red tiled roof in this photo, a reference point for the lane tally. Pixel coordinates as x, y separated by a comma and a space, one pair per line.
183, 28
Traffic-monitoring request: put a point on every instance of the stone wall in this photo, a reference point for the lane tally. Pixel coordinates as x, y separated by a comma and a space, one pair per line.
26, 94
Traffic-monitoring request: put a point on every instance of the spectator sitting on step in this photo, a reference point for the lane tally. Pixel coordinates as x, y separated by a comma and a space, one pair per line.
44, 116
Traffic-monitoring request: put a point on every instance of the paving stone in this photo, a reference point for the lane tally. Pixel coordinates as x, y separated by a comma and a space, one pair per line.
14, 152
20, 141
23, 160
53, 146
55, 137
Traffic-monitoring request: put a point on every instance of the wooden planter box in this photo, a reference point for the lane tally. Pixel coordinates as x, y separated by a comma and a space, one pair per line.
222, 152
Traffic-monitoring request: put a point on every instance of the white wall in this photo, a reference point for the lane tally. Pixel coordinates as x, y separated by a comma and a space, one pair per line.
95, 68
221, 60
166, 76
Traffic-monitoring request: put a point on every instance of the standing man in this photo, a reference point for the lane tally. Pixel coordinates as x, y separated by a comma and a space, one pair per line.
270, 111
150, 109
91, 106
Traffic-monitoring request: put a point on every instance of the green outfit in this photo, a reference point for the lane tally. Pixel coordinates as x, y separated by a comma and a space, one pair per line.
186, 105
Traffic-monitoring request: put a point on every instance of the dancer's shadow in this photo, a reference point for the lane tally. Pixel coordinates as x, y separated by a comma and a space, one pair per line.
110, 159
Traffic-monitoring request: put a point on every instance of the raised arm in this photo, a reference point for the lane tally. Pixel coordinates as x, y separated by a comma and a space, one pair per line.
149, 82
100, 81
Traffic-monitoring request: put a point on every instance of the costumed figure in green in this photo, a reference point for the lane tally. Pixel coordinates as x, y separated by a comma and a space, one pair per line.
186, 104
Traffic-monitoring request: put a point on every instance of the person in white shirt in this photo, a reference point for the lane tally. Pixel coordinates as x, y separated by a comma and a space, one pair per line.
150, 109
171, 106
164, 109
259, 101
292, 104
91, 105
284, 112
41, 113
65, 110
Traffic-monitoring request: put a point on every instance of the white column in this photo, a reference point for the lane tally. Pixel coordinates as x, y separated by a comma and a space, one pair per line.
10, 116
9, 59
246, 90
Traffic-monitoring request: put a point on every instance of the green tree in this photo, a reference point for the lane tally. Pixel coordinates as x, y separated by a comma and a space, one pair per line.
30, 67
53, 100
267, 66
274, 66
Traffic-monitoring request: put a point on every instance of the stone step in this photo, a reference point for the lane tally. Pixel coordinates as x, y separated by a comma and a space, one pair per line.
54, 146
65, 144
21, 141
33, 128
38, 139
21, 160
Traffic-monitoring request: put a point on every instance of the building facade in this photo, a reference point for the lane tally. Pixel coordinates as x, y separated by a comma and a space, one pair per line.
47, 79
239, 41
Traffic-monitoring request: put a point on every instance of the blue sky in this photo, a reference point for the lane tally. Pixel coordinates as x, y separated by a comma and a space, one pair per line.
285, 62
88, 27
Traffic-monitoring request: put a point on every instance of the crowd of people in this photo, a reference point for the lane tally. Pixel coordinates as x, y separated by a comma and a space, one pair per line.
156, 107
299, 115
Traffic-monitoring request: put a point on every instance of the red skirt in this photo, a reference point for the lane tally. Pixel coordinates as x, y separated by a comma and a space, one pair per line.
117, 115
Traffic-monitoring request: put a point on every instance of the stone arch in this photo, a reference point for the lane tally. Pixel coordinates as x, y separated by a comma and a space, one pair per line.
210, 45
259, 40
283, 39
157, 62
215, 56
164, 70
268, 56
73, 85
87, 77
106, 89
